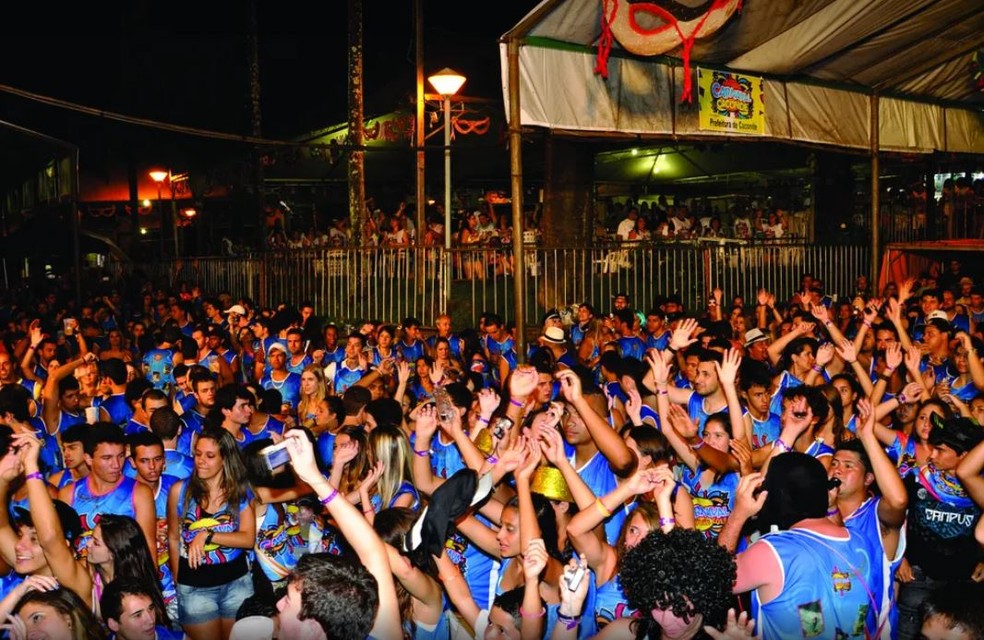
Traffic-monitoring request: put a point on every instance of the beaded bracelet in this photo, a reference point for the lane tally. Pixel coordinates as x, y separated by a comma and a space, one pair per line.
782, 446
331, 496
569, 622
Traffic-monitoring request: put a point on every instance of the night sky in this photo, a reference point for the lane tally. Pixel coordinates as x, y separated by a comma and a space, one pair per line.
185, 63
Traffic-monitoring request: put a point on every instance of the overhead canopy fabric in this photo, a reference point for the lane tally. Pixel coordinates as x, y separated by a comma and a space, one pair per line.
821, 59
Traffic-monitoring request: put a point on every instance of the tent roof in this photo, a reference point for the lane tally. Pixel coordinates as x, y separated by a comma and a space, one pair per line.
919, 48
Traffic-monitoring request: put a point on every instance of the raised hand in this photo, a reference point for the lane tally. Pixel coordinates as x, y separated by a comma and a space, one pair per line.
871, 310
905, 290
531, 460
488, 401
572, 600
642, 481
664, 483
633, 406
864, 408
820, 312
552, 446
763, 297
510, 455
806, 328
346, 452
893, 356
681, 422
402, 372
727, 369
847, 352
743, 452
746, 501
740, 628
570, 385
437, 372
523, 381
660, 368
681, 338
534, 559
372, 477
798, 415
825, 354
913, 358
426, 424
893, 311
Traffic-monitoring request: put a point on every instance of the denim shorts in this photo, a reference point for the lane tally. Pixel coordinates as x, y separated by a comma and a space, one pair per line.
198, 605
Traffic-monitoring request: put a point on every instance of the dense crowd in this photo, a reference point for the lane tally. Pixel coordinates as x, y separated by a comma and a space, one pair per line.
188, 463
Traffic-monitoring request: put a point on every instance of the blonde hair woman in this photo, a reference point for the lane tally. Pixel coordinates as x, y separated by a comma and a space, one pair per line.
313, 392
395, 488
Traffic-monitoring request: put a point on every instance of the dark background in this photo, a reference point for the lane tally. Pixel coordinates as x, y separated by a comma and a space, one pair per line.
187, 63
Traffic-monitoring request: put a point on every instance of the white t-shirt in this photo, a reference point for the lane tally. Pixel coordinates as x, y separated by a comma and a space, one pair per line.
624, 227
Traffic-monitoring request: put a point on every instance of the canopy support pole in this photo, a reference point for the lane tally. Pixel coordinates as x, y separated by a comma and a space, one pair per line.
875, 189
516, 185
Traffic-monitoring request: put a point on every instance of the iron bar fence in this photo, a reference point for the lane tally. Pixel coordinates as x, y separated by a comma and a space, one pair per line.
357, 284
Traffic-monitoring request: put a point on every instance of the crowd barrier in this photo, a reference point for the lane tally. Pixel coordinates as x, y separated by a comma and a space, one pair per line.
352, 285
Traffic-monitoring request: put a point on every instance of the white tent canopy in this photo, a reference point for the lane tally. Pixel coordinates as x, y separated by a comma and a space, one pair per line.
821, 61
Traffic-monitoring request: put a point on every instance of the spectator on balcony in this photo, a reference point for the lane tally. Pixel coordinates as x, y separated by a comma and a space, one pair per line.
714, 229
640, 233
775, 226
472, 266
338, 233
681, 223
742, 225
627, 225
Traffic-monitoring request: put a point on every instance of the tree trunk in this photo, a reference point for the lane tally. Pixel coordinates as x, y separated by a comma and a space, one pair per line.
566, 222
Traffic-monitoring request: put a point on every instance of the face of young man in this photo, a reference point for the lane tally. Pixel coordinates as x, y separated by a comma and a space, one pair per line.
138, 617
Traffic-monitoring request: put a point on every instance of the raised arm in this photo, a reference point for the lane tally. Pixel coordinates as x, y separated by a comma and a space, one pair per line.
49, 394
848, 353
973, 360
779, 345
367, 545
620, 458
47, 526
425, 426
894, 499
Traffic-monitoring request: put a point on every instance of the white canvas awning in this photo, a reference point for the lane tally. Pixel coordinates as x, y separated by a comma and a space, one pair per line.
822, 60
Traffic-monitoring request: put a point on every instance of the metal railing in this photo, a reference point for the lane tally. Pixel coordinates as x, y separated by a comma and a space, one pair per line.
350, 285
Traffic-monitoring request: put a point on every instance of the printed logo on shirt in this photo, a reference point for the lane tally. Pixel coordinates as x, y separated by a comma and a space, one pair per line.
811, 619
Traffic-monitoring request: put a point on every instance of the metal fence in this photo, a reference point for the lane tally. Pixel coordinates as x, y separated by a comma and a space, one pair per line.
349, 285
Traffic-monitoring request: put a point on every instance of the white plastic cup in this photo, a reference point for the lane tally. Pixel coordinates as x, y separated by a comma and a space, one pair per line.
91, 415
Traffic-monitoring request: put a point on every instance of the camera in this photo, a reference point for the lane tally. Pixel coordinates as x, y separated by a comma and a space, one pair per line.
501, 427
275, 456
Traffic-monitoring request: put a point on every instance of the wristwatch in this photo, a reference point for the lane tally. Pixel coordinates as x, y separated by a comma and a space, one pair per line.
208, 538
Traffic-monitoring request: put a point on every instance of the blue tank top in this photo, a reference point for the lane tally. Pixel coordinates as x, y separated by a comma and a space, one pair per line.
786, 381
865, 522
186, 401
272, 549
224, 520
116, 407
611, 603
410, 352
270, 427
695, 407
765, 432
289, 388
345, 378
632, 347
713, 503
299, 367
67, 419
89, 506
827, 587
600, 478
163, 553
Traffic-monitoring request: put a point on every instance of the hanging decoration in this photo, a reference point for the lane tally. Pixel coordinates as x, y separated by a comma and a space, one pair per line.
651, 28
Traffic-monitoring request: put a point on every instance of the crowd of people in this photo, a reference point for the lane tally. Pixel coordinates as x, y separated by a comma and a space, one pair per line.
191, 464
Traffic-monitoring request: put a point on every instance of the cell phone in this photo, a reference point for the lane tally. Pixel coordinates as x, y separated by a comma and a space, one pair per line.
501, 427
574, 579
275, 456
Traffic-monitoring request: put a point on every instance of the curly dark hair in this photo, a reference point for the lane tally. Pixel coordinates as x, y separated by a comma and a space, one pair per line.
681, 571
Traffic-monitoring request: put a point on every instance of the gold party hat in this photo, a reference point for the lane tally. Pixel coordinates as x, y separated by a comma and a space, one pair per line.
549, 482
484, 442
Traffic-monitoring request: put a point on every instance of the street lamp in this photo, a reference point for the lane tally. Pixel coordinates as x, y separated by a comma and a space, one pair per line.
447, 83
159, 177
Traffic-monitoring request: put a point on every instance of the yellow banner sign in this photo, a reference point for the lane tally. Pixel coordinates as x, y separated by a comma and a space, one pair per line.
730, 102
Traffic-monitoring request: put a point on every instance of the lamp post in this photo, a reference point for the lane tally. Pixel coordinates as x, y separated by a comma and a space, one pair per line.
447, 83
159, 177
